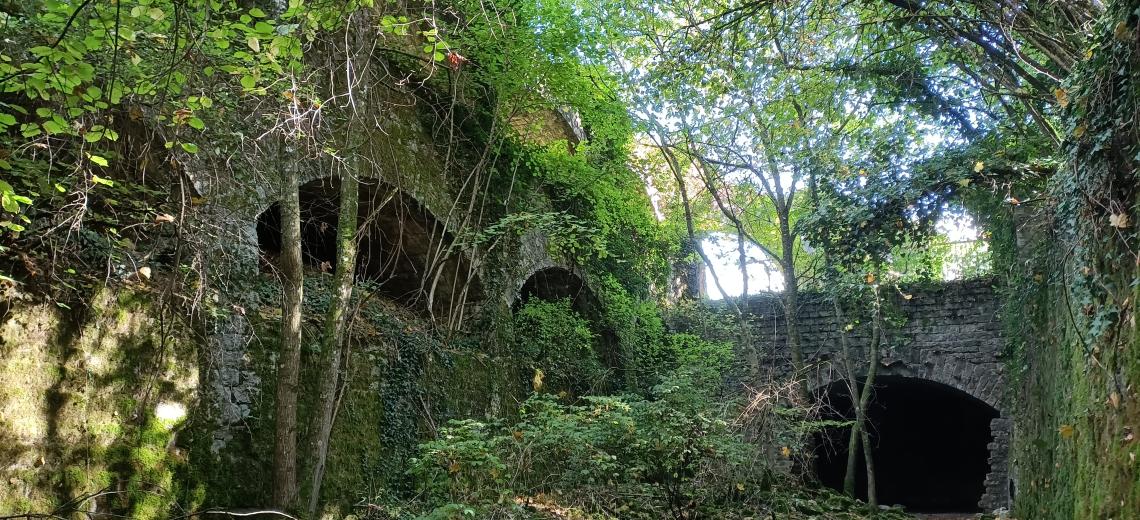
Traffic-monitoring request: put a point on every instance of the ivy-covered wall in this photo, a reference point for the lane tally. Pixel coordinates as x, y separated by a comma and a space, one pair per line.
491, 154
1071, 306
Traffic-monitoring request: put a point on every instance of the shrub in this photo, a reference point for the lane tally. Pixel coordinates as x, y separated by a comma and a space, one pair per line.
557, 341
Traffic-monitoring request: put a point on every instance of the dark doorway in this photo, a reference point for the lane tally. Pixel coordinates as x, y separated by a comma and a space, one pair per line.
930, 444
404, 253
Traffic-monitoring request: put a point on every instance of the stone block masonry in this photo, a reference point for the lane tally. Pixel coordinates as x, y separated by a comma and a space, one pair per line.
950, 334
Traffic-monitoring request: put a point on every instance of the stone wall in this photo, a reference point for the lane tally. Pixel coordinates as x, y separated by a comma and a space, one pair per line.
950, 334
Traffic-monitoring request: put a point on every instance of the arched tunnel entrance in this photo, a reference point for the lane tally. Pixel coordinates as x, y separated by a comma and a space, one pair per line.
930, 444
404, 252
557, 283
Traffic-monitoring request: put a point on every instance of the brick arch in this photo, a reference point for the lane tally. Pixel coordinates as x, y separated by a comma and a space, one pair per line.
946, 370
551, 281
950, 334
545, 269
996, 484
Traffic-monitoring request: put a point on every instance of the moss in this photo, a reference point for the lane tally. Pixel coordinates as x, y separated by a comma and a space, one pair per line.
88, 382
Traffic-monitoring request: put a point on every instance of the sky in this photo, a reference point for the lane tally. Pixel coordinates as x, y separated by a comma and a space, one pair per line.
764, 276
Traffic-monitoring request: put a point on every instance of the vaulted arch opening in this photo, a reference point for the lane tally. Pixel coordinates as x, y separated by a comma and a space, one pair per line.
930, 444
404, 253
558, 283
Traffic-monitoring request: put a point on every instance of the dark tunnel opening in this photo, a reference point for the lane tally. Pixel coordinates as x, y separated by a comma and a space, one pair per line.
929, 444
403, 249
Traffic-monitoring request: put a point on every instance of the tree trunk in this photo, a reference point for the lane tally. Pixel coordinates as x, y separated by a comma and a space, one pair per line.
289, 359
865, 398
792, 301
333, 340
742, 261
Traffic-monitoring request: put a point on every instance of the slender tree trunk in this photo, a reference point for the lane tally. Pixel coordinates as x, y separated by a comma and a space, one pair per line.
865, 400
333, 340
289, 358
742, 260
792, 302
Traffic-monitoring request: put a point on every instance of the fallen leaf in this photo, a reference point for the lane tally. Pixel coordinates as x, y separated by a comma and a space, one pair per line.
979, 166
908, 296
1119, 220
1066, 431
1062, 96
537, 381
1114, 400
869, 278
162, 218
1122, 32
786, 452
144, 273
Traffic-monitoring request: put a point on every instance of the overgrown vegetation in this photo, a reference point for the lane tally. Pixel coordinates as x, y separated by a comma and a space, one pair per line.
483, 141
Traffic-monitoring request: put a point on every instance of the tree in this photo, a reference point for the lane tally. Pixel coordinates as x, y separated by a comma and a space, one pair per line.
334, 337
289, 356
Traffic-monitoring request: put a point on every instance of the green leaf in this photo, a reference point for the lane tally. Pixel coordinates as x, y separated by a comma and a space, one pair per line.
99, 180
248, 82
51, 127
101, 161
196, 123
257, 13
7, 119
190, 147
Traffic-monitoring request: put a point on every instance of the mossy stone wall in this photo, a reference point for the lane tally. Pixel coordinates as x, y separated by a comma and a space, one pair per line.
92, 401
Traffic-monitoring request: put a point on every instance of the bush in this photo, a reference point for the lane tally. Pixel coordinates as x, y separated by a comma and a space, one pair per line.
557, 341
678, 454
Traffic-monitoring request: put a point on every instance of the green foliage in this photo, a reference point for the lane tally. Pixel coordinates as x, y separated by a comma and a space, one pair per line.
558, 345
638, 458
679, 451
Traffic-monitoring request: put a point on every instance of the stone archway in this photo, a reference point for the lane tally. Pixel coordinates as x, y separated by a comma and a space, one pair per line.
555, 283
405, 253
951, 335
937, 448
